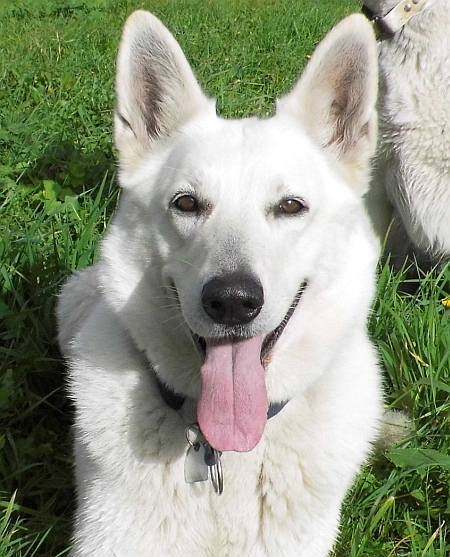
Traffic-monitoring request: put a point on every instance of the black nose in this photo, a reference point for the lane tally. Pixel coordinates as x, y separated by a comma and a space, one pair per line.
233, 299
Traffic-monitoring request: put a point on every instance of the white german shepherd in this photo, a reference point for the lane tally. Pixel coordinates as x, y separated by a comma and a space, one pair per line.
414, 160
233, 287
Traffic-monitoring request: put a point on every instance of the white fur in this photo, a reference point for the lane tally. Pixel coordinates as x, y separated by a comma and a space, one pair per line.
414, 159
284, 497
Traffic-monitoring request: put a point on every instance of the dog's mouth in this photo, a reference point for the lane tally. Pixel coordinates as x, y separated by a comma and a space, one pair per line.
269, 341
272, 338
233, 404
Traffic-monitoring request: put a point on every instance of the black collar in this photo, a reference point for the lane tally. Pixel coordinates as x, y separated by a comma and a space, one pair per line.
175, 401
368, 12
381, 30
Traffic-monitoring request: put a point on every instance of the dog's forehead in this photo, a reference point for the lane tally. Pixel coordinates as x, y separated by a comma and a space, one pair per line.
248, 137
267, 150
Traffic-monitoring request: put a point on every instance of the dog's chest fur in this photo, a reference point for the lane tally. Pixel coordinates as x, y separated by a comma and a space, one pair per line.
277, 500
415, 126
272, 501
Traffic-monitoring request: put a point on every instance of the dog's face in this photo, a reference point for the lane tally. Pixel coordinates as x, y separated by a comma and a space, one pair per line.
239, 207
223, 224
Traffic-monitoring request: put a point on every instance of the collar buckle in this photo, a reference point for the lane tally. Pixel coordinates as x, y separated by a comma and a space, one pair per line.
390, 23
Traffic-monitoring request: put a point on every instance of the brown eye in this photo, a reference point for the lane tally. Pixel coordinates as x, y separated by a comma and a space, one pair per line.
291, 206
186, 204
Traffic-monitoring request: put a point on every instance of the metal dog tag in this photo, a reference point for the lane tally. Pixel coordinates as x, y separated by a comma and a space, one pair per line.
195, 468
202, 461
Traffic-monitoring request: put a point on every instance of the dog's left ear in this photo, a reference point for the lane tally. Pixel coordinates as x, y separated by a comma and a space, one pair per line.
156, 89
335, 99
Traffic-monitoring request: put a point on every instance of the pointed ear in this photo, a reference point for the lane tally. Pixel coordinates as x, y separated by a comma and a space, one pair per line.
156, 89
335, 99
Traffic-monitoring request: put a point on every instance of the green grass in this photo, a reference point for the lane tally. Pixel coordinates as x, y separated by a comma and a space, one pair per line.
58, 191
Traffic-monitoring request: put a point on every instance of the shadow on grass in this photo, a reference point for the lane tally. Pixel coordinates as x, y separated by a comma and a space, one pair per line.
36, 457
65, 163
40, 248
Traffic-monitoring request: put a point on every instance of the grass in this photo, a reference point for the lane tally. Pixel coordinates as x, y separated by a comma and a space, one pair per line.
58, 191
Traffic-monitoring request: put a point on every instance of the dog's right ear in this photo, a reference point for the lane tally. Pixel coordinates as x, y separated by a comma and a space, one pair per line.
156, 89
335, 98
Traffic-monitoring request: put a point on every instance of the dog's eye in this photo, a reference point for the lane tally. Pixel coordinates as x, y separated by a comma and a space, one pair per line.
291, 206
186, 203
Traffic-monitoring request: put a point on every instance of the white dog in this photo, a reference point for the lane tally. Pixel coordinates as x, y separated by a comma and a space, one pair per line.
233, 286
414, 159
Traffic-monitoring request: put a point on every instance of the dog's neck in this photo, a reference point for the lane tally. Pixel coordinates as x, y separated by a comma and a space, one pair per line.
401, 16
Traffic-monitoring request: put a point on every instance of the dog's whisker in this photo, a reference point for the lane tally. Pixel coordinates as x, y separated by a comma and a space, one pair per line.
185, 262
171, 318
169, 288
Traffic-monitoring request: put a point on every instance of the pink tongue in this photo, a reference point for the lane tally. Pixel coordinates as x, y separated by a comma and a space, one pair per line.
232, 410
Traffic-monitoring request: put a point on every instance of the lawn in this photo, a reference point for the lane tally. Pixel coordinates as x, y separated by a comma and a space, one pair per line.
58, 190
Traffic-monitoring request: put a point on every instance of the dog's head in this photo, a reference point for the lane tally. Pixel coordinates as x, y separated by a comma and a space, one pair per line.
223, 223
